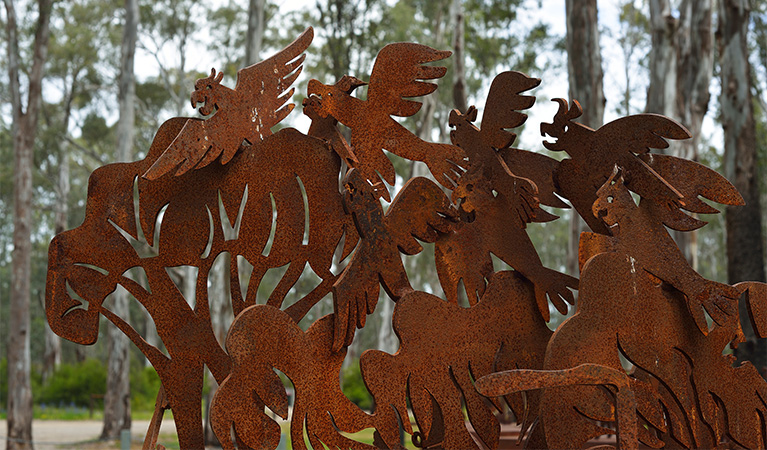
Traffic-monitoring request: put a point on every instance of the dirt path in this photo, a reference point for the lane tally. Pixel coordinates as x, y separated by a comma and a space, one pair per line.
66, 434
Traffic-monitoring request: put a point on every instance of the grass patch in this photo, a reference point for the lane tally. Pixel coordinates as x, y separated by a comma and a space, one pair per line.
42, 412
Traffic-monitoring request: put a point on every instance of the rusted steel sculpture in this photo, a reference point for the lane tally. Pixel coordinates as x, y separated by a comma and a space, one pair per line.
228, 184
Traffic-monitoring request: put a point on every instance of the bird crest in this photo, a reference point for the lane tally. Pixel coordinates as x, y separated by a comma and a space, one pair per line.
245, 114
206, 91
563, 121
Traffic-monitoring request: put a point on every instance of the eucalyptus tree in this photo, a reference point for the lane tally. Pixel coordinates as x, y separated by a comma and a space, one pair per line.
24, 130
117, 411
584, 68
681, 70
745, 254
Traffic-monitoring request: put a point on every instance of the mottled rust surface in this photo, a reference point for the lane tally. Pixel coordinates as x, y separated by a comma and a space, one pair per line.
644, 355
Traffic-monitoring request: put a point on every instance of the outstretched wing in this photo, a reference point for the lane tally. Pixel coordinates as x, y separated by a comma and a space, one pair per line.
630, 136
420, 211
502, 113
396, 74
189, 147
640, 132
537, 168
503, 105
263, 84
692, 180
260, 94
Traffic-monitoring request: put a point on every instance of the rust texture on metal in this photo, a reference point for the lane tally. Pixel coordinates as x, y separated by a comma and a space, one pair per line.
642, 356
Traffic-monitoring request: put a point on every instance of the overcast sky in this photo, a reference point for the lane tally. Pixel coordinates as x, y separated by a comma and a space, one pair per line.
554, 85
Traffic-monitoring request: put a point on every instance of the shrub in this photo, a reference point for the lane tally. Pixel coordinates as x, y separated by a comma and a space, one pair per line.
354, 388
144, 384
73, 384
3, 383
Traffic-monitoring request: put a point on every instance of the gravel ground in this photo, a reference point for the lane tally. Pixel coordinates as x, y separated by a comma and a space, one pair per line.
84, 434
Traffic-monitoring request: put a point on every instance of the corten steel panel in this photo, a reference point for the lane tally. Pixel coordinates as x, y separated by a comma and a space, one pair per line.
227, 183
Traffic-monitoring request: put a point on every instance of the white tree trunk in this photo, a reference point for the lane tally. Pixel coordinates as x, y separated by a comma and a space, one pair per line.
255, 34
117, 412
584, 68
459, 85
661, 91
681, 67
24, 128
696, 68
744, 223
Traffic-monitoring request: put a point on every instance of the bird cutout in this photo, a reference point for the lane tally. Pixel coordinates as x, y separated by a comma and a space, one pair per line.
495, 204
397, 75
326, 128
636, 232
420, 211
594, 153
243, 114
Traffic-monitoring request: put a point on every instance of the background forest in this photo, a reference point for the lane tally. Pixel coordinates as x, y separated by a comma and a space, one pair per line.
88, 82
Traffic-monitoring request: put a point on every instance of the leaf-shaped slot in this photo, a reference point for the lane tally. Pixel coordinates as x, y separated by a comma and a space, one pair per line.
137, 274
86, 284
340, 257
273, 229
305, 238
139, 243
244, 272
220, 296
75, 296
269, 282
209, 245
231, 232
185, 280
125, 307
309, 284
96, 268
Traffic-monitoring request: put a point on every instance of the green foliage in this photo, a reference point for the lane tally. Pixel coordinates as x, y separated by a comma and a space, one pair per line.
354, 388
144, 384
74, 384
3, 383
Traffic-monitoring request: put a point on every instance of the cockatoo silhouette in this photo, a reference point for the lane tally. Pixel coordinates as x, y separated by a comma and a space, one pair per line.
496, 203
243, 114
594, 154
395, 77
419, 211
638, 233
326, 128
